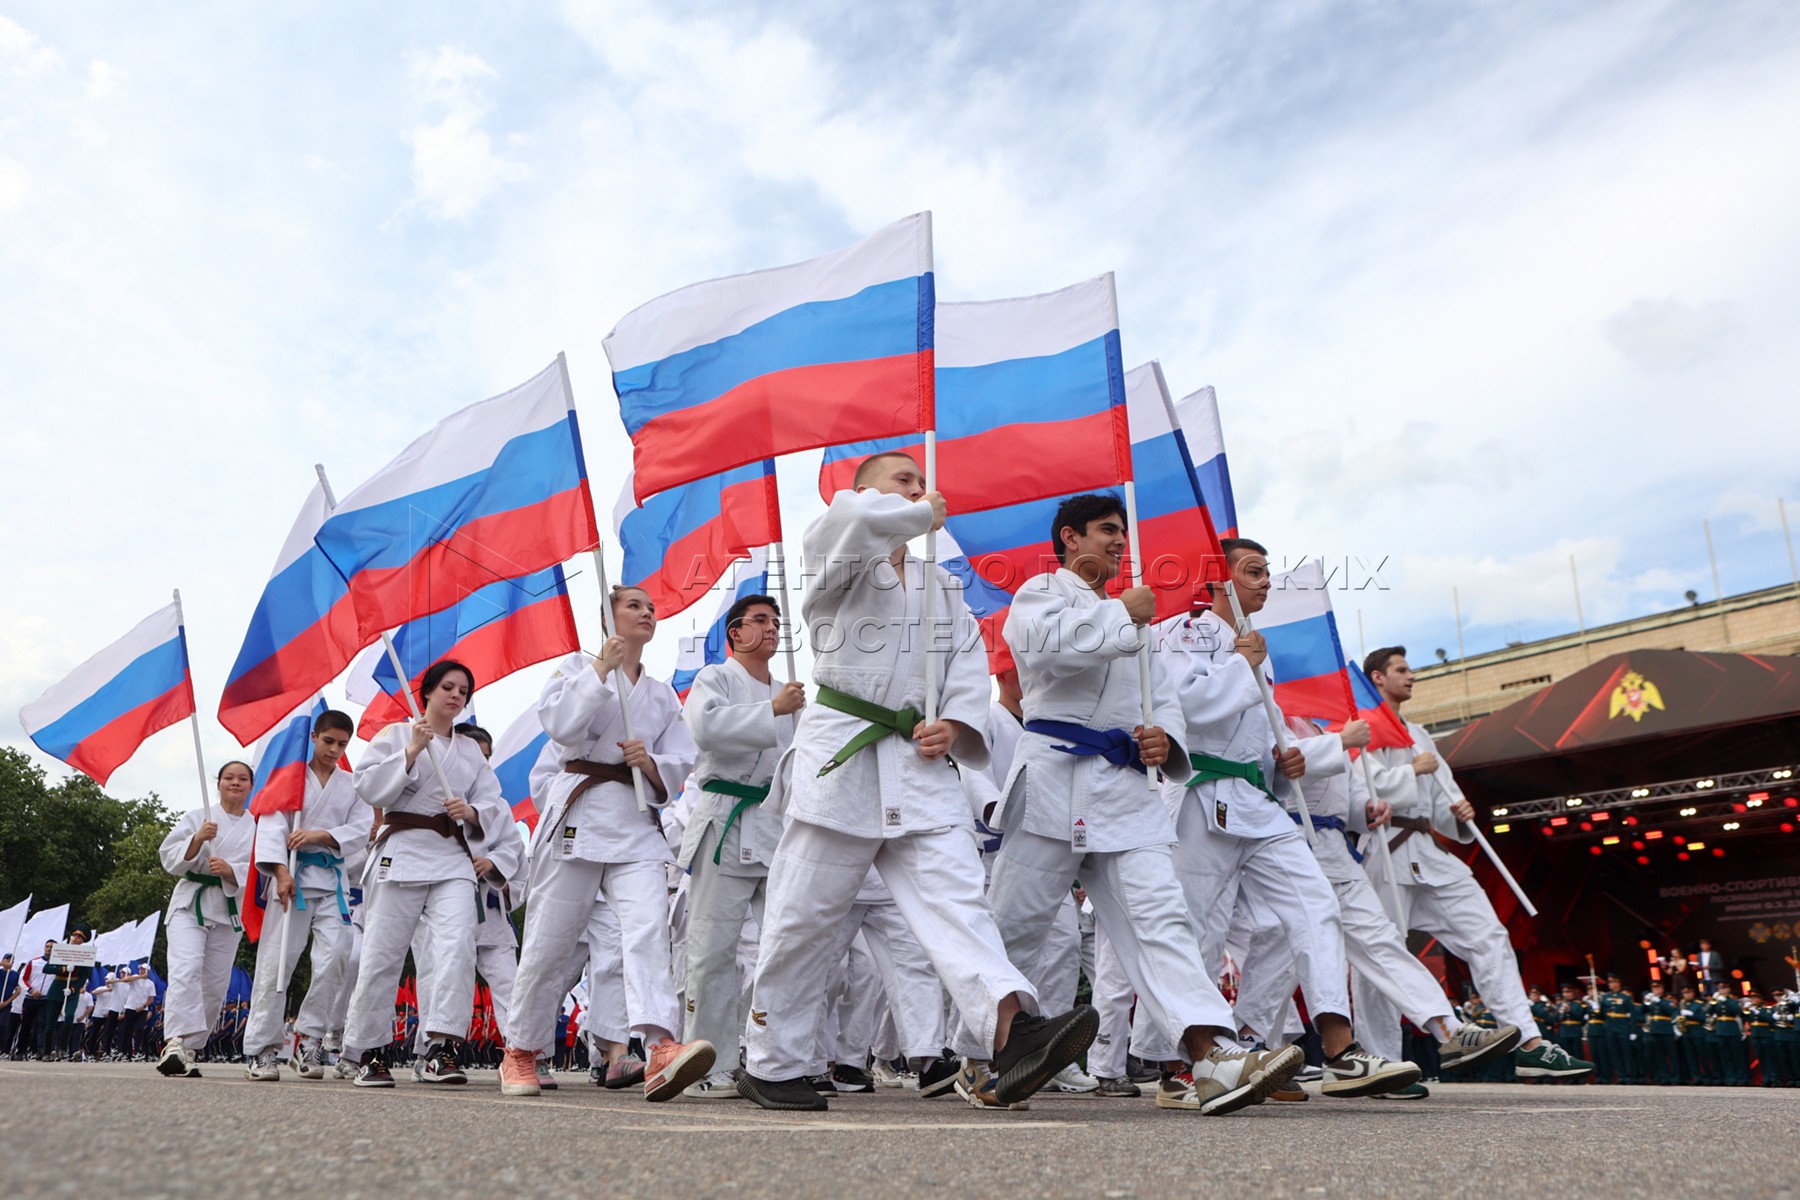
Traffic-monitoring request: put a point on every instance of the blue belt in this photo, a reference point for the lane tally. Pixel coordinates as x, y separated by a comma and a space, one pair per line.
320, 858
990, 841
1336, 823
1114, 745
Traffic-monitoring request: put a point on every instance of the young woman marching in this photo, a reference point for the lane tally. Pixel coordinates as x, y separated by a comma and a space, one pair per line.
211, 858
420, 875
592, 839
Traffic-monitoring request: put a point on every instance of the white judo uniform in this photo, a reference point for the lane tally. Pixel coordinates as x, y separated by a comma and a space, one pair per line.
201, 922
321, 881
728, 843
1233, 834
496, 946
1438, 895
1064, 816
599, 844
1375, 948
418, 877
886, 806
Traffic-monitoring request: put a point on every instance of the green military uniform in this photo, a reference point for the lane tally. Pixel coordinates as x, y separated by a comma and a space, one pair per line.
1621, 1050
1787, 1042
1698, 1064
1728, 1039
1571, 1026
1761, 1020
1599, 1045
1660, 1054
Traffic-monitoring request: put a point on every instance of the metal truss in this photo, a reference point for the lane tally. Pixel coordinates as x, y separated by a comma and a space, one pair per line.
1707, 795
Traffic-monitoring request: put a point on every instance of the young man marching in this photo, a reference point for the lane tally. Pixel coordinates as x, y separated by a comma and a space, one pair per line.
868, 782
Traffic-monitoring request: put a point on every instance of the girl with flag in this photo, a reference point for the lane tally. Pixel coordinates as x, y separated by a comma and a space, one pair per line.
593, 839
210, 854
437, 796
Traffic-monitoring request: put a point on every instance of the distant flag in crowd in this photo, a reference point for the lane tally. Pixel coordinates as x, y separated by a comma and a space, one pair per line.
1312, 679
515, 754
48, 925
301, 635
496, 491
1030, 401
692, 653
494, 630
682, 541
103, 711
1388, 731
280, 763
835, 349
12, 922
1199, 416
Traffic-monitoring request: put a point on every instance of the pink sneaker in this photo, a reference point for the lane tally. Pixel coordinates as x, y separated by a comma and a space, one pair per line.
518, 1073
674, 1065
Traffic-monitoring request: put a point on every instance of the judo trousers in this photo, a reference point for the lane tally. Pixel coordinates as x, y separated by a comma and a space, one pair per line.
717, 1004
330, 935
935, 879
199, 959
446, 911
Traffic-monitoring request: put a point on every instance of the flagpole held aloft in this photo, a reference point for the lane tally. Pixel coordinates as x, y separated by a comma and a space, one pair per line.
1152, 777
930, 622
194, 724
1272, 712
623, 684
789, 622
1381, 845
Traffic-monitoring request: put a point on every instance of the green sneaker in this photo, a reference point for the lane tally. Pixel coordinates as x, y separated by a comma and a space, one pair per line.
1547, 1060
1414, 1091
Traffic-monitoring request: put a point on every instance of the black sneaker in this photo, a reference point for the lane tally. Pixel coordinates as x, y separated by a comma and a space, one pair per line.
846, 1078
1139, 1071
374, 1073
822, 1084
938, 1077
792, 1095
441, 1066
1117, 1086
1038, 1047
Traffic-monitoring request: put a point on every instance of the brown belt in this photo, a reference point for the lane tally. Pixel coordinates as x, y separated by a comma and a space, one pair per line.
1407, 827
441, 824
601, 772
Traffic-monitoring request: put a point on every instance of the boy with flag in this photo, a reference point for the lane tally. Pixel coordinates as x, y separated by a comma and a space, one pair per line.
327, 834
1437, 892
867, 783
742, 722
1079, 802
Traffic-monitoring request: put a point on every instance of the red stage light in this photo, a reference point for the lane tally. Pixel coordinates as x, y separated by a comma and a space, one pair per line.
1586, 827
1559, 822
1602, 816
1718, 852
1653, 835
1548, 831
1791, 801
1631, 820
1637, 845
1758, 796
1680, 841
1739, 808
1643, 861
1683, 856
1787, 827
1595, 850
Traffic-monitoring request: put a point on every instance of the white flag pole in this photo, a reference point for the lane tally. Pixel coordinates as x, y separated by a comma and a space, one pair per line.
619, 681
194, 724
1272, 712
280, 982
1153, 776
930, 622
1481, 840
778, 561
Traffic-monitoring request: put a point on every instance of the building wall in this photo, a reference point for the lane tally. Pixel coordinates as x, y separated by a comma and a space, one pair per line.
1454, 693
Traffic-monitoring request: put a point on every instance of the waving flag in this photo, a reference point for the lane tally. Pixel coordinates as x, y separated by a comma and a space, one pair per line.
1030, 401
1388, 731
1175, 530
12, 922
835, 349
692, 653
1312, 679
515, 754
301, 635
1199, 417
497, 491
97, 717
684, 540
280, 763
494, 631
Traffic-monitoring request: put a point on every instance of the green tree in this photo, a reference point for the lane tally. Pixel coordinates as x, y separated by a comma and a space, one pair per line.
57, 841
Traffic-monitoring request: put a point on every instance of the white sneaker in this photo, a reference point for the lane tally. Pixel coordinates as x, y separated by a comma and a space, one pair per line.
309, 1060
1356, 1072
177, 1059
344, 1068
885, 1076
1227, 1080
720, 1085
1072, 1079
263, 1068
1473, 1044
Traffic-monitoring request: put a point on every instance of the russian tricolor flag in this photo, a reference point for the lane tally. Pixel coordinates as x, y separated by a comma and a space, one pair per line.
301, 635
693, 653
1030, 401
682, 541
280, 763
1175, 530
495, 492
515, 754
1199, 417
494, 631
97, 717
835, 349
1312, 677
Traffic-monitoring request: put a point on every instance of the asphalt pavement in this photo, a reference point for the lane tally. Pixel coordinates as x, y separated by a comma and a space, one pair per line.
123, 1130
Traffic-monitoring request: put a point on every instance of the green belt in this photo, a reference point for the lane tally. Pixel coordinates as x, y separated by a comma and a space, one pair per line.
747, 795
883, 722
1207, 769
206, 881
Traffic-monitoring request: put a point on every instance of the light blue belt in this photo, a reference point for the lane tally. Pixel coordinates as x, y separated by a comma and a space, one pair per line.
321, 858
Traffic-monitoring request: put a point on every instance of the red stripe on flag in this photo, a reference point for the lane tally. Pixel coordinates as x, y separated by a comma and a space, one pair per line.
274, 687
101, 752
749, 516
801, 408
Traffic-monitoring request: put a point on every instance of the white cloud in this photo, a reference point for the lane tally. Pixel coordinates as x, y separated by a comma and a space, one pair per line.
104, 80
22, 52
15, 184
454, 166
1670, 335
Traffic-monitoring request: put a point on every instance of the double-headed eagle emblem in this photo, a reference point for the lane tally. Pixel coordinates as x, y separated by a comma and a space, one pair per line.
1634, 697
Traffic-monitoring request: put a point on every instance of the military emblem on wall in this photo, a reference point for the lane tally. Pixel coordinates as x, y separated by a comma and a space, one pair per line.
1634, 697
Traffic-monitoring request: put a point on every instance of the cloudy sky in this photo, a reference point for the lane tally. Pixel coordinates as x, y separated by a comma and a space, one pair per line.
1479, 286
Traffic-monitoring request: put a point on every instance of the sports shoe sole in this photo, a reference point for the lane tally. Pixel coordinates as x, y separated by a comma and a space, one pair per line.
1505, 1045
630, 1078
1372, 1085
1264, 1082
690, 1066
938, 1087
259, 1077
748, 1089
171, 1065
1026, 1076
374, 1083
1552, 1072
851, 1089
444, 1080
